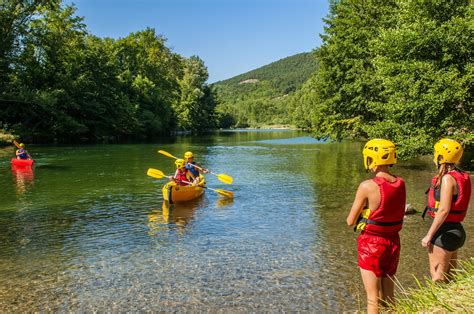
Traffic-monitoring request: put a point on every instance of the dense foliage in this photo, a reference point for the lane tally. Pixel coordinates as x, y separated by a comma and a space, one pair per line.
398, 69
60, 83
261, 96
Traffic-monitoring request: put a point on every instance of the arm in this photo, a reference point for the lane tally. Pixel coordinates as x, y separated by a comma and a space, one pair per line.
172, 178
358, 204
199, 167
448, 188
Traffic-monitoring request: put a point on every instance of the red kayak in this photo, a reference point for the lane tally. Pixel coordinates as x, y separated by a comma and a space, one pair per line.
22, 162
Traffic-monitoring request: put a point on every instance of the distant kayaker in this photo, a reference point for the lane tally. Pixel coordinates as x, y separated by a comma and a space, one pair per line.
192, 166
378, 211
182, 176
448, 201
22, 153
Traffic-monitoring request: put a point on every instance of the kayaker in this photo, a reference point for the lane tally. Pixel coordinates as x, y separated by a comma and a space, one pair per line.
448, 201
192, 166
182, 174
22, 153
378, 210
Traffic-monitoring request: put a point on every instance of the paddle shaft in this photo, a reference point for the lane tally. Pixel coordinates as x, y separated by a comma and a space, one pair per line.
19, 147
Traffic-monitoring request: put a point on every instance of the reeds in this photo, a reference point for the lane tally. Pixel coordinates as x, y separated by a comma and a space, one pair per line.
457, 296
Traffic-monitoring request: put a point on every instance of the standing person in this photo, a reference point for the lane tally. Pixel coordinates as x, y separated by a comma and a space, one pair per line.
448, 200
182, 174
378, 211
192, 166
21, 152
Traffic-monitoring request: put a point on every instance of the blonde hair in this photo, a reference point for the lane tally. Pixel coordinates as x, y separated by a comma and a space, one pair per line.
442, 170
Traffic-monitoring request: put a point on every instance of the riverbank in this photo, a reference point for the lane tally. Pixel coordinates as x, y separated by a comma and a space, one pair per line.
5, 138
437, 298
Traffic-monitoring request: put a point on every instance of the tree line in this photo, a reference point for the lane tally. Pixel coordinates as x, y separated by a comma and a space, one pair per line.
60, 83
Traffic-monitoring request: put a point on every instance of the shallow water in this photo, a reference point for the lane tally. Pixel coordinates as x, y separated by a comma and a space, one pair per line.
86, 229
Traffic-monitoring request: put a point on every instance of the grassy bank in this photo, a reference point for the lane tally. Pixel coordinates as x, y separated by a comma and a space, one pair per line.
430, 297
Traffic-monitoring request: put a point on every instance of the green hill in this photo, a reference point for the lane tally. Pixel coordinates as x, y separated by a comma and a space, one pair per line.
259, 97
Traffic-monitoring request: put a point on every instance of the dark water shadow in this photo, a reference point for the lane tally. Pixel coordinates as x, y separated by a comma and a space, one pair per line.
53, 167
417, 167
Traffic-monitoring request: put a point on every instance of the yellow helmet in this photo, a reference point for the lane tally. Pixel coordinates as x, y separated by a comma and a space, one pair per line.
22, 145
180, 163
449, 150
188, 155
381, 152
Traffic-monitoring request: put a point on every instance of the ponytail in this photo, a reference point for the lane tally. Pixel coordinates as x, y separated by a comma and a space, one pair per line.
442, 170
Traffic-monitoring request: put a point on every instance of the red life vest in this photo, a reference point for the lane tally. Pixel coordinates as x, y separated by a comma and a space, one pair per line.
388, 217
181, 175
459, 203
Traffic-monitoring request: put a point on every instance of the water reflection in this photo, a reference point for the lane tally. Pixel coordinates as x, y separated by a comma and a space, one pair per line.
224, 202
172, 216
23, 177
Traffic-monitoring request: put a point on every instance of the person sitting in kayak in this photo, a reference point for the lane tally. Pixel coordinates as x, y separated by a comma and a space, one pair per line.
182, 176
21, 152
193, 167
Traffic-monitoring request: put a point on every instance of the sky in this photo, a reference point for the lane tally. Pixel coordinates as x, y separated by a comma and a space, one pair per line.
231, 36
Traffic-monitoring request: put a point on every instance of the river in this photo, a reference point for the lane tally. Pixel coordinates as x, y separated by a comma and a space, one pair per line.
86, 231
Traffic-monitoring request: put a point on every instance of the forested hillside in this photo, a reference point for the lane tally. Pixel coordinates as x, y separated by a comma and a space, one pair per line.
261, 96
59, 83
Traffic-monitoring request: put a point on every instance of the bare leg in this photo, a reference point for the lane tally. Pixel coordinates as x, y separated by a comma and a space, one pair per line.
439, 262
372, 285
453, 264
388, 286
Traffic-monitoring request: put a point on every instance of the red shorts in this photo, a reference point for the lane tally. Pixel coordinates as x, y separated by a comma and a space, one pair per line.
379, 254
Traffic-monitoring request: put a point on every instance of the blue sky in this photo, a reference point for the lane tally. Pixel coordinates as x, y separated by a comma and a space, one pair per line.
231, 36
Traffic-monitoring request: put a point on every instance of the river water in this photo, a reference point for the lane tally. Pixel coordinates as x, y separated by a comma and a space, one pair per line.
86, 231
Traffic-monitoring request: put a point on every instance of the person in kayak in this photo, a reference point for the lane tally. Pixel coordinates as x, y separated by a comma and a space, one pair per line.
378, 211
22, 153
448, 201
182, 174
192, 166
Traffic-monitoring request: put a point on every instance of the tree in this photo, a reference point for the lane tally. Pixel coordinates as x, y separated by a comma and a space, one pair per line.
426, 67
195, 110
345, 84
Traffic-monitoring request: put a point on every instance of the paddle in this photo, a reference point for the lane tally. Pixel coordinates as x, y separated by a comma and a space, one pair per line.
221, 176
158, 174
19, 147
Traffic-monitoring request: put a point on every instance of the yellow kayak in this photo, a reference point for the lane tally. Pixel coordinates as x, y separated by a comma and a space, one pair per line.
174, 193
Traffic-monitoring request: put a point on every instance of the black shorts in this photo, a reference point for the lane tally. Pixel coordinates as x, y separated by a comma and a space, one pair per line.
450, 236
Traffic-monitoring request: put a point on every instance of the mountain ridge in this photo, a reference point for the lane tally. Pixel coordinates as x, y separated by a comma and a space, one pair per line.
259, 97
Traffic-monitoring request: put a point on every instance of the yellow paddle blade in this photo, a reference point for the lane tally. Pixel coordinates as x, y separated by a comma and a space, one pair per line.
16, 144
155, 173
167, 154
225, 178
224, 193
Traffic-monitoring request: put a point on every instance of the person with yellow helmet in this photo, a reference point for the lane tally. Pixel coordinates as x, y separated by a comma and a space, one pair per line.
448, 201
182, 176
378, 210
22, 153
192, 166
